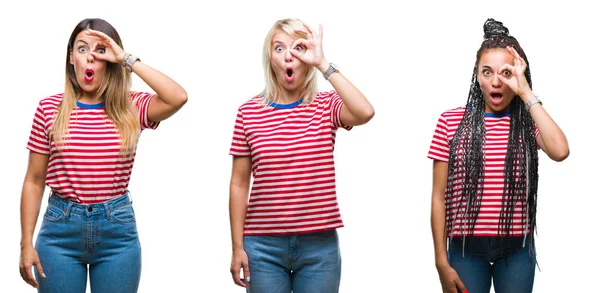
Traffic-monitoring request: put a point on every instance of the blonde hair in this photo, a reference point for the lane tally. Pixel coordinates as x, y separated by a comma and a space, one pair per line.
272, 88
114, 91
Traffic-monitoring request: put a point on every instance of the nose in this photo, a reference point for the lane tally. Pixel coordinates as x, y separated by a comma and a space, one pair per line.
90, 58
496, 81
288, 56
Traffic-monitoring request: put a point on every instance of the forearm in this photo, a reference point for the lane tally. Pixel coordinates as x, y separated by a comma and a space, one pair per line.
238, 204
553, 139
438, 230
167, 90
31, 199
355, 102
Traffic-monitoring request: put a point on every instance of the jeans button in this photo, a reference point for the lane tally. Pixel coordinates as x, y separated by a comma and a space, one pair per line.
90, 209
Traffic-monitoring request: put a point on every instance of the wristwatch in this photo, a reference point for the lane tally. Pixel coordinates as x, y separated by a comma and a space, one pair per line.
128, 61
532, 102
332, 68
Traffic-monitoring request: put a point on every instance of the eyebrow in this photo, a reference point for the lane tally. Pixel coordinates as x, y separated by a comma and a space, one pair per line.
82, 42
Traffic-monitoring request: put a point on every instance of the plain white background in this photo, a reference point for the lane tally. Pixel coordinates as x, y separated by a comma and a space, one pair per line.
412, 61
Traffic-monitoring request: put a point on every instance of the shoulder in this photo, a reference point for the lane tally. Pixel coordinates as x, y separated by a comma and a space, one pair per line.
50, 102
252, 104
140, 95
326, 96
454, 113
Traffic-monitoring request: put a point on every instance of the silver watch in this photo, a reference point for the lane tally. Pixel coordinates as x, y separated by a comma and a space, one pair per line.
532, 102
129, 62
332, 68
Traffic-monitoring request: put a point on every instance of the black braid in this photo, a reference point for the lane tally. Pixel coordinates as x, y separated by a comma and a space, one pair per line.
467, 156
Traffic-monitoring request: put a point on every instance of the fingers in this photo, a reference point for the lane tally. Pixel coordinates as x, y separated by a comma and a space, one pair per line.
320, 32
461, 287
235, 274
506, 67
518, 59
27, 275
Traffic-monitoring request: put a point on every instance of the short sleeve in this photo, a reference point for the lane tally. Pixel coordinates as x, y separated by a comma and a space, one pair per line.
141, 100
336, 111
39, 141
440, 146
239, 144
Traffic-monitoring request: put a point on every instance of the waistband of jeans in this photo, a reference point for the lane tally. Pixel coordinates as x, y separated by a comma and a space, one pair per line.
508, 242
71, 207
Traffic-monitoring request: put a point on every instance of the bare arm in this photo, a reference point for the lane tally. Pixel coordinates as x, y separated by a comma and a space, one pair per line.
438, 212
31, 199
238, 203
170, 96
449, 279
356, 109
551, 138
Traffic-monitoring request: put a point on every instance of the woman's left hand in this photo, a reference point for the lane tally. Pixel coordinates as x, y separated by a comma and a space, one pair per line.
516, 80
112, 52
312, 48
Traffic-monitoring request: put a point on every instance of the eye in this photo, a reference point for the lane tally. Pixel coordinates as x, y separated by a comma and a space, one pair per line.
486, 72
278, 49
298, 48
506, 72
101, 50
82, 49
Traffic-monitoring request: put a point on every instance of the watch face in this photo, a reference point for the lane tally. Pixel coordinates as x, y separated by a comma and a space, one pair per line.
334, 66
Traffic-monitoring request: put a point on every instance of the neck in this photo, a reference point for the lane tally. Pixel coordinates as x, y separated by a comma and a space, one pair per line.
90, 98
287, 96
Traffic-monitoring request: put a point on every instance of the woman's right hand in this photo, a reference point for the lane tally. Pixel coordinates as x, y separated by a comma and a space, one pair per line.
28, 259
451, 283
239, 261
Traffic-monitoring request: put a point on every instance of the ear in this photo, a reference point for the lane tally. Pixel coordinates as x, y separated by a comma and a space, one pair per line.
71, 56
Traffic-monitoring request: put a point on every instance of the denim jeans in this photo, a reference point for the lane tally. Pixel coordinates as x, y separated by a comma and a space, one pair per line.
511, 270
101, 238
304, 263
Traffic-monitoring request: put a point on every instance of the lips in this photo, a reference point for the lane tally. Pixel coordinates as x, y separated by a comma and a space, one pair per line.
289, 74
496, 98
89, 75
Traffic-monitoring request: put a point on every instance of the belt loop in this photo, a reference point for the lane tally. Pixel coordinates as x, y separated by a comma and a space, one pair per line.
107, 209
68, 209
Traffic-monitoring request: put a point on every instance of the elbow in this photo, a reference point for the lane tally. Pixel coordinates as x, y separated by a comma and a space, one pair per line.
182, 98
366, 115
561, 155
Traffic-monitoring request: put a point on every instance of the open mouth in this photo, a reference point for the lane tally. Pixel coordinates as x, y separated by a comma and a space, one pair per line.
289, 74
496, 97
89, 75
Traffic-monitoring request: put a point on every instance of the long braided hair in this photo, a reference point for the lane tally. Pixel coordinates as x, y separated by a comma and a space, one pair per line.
467, 153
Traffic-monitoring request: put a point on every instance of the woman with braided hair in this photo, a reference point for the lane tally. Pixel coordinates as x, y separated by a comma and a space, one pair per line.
485, 173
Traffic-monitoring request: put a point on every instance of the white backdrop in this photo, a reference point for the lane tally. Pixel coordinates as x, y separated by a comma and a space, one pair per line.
412, 60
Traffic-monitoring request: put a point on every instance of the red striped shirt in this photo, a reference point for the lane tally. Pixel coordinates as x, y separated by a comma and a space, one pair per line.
497, 130
88, 169
293, 190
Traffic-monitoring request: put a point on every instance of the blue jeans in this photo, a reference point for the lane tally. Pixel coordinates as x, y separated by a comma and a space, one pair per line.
302, 263
100, 237
512, 270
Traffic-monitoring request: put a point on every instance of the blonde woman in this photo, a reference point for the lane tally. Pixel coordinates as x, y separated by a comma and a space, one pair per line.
284, 236
82, 146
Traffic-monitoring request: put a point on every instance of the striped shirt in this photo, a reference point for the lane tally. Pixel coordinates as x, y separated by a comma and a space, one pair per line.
89, 168
497, 127
291, 147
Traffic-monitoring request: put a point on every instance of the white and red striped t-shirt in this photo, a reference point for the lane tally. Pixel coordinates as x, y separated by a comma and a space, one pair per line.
497, 127
89, 168
291, 146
